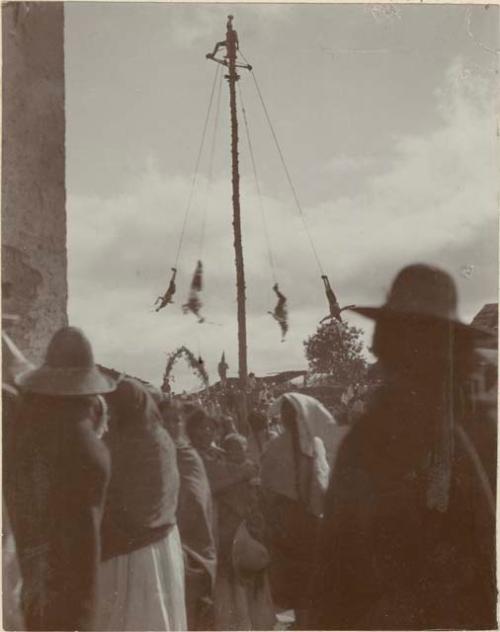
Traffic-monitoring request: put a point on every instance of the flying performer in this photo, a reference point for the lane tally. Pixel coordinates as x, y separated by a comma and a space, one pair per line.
166, 299
280, 313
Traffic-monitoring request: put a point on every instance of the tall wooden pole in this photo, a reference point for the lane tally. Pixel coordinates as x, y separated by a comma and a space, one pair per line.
229, 61
231, 47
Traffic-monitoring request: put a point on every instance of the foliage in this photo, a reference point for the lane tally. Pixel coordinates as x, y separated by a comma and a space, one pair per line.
193, 362
336, 349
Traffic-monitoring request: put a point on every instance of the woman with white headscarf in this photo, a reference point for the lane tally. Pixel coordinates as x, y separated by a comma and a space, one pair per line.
295, 473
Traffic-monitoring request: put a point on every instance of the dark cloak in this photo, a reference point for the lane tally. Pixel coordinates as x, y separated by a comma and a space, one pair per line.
57, 471
387, 561
142, 496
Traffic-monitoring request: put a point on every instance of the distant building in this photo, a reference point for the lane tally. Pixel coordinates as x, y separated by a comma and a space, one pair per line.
487, 319
484, 382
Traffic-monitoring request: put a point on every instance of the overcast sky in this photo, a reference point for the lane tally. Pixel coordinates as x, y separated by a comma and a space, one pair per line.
386, 118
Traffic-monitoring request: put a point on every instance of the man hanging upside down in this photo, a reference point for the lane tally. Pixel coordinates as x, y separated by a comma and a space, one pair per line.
333, 304
194, 303
280, 313
166, 299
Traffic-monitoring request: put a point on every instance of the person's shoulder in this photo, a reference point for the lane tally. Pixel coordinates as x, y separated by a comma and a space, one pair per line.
188, 455
88, 460
356, 430
86, 443
191, 466
214, 454
11, 405
360, 440
351, 479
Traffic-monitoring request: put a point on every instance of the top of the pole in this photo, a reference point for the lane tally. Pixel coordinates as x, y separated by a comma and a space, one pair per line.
231, 45
231, 38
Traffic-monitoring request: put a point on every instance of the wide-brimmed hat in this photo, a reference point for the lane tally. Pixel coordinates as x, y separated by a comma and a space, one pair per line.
69, 368
425, 293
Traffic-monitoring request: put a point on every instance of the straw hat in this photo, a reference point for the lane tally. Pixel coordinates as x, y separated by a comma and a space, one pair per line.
422, 292
69, 368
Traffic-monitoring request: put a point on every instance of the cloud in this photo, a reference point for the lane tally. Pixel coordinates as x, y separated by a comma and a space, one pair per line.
435, 201
347, 164
189, 27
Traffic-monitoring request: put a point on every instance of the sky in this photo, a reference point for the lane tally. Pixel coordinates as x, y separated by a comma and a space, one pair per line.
385, 115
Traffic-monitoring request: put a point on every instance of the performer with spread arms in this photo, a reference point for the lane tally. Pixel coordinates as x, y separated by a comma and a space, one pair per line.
333, 304
166, 299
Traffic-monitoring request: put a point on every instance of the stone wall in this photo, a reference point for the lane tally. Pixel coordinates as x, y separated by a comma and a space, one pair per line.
34, 280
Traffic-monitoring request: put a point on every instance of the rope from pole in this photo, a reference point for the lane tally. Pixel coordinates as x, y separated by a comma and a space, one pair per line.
287, 172
257, 186
197, 166
210, 165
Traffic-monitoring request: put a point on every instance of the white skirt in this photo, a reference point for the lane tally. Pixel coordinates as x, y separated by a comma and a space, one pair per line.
144, 590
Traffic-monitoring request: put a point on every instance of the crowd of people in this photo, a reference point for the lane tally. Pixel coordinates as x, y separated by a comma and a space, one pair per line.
127, 509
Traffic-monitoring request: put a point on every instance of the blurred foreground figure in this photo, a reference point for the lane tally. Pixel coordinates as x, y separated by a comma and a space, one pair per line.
142, 573
408, 540
13, 363
56, 472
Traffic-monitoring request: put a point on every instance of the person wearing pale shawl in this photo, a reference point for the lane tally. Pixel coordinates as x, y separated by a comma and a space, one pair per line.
195, 517
295, 471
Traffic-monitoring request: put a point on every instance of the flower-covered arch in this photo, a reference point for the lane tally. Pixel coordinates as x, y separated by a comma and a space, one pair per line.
195, 364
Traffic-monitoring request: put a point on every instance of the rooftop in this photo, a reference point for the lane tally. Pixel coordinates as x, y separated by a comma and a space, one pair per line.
487, 318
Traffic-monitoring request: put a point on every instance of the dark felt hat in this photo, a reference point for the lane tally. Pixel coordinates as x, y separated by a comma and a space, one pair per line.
69, 368
425, 293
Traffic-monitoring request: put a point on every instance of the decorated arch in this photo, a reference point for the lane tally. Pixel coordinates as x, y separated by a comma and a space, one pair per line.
195, 364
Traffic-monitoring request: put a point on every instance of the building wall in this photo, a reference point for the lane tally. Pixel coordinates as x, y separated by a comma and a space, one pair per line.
34, 266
